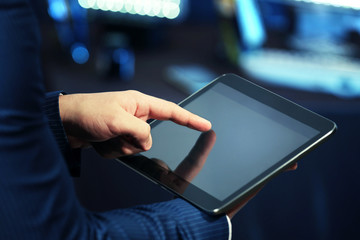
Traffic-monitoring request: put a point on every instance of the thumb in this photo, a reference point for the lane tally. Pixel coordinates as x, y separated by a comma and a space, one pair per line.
136, 132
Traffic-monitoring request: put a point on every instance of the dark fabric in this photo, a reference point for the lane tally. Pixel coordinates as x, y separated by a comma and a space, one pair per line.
72, 156
37, 197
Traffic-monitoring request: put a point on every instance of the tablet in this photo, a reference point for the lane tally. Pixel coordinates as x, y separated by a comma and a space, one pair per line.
255, 135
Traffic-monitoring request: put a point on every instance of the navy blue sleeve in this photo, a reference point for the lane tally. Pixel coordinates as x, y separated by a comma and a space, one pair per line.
175, 219
72, 156
37, 197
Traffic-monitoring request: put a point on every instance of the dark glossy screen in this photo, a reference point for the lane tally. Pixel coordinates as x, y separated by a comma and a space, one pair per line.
249, 138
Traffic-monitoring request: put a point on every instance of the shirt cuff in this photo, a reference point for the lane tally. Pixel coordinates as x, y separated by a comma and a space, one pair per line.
230, 227
51, 109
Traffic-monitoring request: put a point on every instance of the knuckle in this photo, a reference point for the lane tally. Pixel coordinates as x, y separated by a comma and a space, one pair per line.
134, 92
114, 125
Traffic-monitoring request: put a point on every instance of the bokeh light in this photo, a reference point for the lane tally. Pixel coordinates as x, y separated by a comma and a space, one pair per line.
169, 9
79, 53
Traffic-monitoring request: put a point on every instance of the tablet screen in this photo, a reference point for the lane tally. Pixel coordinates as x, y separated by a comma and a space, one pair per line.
251, 137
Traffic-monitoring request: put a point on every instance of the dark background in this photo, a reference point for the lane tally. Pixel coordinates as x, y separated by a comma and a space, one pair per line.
317, 201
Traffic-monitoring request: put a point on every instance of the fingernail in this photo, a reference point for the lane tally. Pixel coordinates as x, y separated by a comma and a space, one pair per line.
148, 143
208, 123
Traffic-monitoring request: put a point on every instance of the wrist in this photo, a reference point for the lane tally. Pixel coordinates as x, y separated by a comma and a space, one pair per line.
62, 107
66, 104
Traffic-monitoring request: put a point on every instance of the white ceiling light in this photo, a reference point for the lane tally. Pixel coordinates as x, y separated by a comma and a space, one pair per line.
153, 8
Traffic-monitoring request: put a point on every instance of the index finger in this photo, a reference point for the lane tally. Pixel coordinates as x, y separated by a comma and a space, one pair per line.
164, 110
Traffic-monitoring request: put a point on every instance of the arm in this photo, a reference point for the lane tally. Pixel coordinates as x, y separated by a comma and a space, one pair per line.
37, 197
120, 116
174, 219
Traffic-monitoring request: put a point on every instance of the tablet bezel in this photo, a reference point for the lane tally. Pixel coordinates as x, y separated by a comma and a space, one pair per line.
205, 201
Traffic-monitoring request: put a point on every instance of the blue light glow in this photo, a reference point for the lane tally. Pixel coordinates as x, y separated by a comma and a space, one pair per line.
58, 10
121, 56
79, 53
354, 4
250, 23
126, 60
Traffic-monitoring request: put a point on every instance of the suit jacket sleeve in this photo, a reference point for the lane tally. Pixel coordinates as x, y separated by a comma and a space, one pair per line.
37, 197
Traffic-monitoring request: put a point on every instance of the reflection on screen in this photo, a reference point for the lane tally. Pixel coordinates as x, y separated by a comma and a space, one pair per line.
250, 138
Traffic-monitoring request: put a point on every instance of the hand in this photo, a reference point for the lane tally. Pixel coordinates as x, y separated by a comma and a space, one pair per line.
120, 117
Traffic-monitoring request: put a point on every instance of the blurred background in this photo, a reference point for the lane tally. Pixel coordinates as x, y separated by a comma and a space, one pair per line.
305, 50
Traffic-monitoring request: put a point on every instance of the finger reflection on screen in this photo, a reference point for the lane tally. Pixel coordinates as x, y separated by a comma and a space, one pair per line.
185, 172
195, 160
192, 163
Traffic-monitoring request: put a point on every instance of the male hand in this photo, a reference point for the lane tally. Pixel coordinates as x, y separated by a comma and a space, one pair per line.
99, 117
